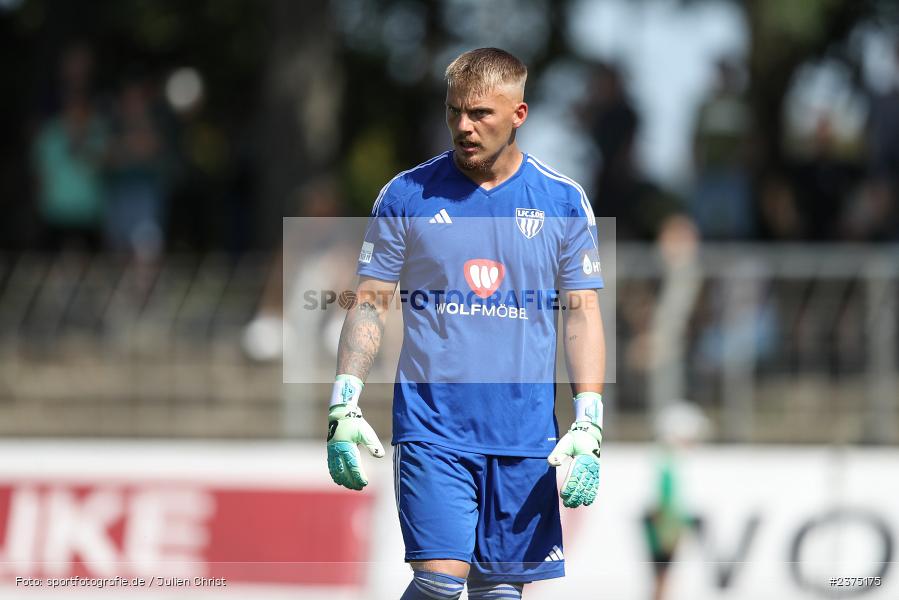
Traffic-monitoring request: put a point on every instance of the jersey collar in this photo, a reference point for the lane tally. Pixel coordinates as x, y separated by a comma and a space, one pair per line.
493, 190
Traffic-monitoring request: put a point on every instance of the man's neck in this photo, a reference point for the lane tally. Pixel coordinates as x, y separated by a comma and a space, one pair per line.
506, 165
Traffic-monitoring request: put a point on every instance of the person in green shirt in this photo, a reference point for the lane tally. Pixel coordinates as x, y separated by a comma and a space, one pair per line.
68, 157
678, 426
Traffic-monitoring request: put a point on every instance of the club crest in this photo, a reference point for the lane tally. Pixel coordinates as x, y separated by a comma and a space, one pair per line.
529, 220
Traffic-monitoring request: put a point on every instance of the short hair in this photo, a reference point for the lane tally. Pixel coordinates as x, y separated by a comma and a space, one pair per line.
484, 69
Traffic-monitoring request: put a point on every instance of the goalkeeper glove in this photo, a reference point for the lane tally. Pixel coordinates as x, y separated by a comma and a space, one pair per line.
582, 443
346, 429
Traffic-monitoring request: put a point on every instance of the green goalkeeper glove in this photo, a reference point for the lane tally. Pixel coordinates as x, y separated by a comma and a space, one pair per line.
346, 429
582, 443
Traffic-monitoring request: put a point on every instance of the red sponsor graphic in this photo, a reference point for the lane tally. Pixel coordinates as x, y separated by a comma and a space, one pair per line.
257, 536
484, 276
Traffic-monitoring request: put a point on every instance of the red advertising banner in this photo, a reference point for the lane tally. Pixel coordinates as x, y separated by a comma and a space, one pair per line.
178, 530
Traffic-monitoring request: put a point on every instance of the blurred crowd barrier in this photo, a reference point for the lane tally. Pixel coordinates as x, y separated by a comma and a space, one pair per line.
104, 345
775, 343
778, 343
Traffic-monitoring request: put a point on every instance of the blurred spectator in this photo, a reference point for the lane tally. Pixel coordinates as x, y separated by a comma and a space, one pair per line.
316, 234
722, 202
620, 190
239, 198
643, 211
780, 220
213, 191
613, 123
876, 216
824, 183
139, 165
67, 155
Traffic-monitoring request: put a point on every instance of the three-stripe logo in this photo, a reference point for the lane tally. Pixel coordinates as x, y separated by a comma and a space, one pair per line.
554, 555
441, 217
484, 276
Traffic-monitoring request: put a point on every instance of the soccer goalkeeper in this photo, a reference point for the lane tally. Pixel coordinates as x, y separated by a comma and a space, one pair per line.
475, 436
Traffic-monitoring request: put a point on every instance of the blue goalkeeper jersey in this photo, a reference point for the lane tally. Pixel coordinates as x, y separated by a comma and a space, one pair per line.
480, 274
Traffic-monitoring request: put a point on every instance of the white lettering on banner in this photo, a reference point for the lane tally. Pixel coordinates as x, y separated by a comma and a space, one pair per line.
21, 532
164, 529
80, 528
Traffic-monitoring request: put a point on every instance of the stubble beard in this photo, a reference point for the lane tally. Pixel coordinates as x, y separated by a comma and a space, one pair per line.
477, 165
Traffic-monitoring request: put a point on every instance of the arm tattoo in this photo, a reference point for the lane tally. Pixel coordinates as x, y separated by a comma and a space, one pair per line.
360, 340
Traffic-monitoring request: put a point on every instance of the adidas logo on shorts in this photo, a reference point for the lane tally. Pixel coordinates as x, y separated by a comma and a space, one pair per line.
554, 555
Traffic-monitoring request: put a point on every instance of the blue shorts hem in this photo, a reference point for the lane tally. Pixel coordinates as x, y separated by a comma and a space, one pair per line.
550, 572
437, 555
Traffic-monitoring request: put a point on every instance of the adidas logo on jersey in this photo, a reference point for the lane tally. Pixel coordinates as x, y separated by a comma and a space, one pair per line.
554, 555
484, 276
441, 217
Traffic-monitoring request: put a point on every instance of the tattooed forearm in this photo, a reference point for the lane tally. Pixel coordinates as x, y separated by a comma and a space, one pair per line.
360, 340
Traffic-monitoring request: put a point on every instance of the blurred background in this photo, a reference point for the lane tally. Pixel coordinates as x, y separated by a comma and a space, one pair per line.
748, 151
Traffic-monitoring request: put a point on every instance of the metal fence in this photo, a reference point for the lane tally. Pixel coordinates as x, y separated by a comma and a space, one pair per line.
775, 343
106, 346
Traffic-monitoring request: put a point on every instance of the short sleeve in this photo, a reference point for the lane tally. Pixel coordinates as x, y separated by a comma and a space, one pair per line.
579, 267
384, 244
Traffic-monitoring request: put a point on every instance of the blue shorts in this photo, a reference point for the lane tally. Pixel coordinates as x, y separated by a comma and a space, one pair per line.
498, 513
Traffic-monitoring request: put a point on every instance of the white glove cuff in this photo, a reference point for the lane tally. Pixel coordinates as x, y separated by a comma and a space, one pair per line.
347, 389
588, 407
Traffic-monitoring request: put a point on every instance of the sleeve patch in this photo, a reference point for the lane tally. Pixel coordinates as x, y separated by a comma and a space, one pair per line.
366, 253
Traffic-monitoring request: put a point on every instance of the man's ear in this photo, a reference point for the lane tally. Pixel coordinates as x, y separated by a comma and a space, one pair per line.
521, 114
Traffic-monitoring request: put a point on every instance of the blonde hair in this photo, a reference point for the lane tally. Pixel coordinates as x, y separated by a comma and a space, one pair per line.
484, 69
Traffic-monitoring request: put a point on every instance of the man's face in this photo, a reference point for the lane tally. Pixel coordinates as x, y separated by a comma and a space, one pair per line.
482, 125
